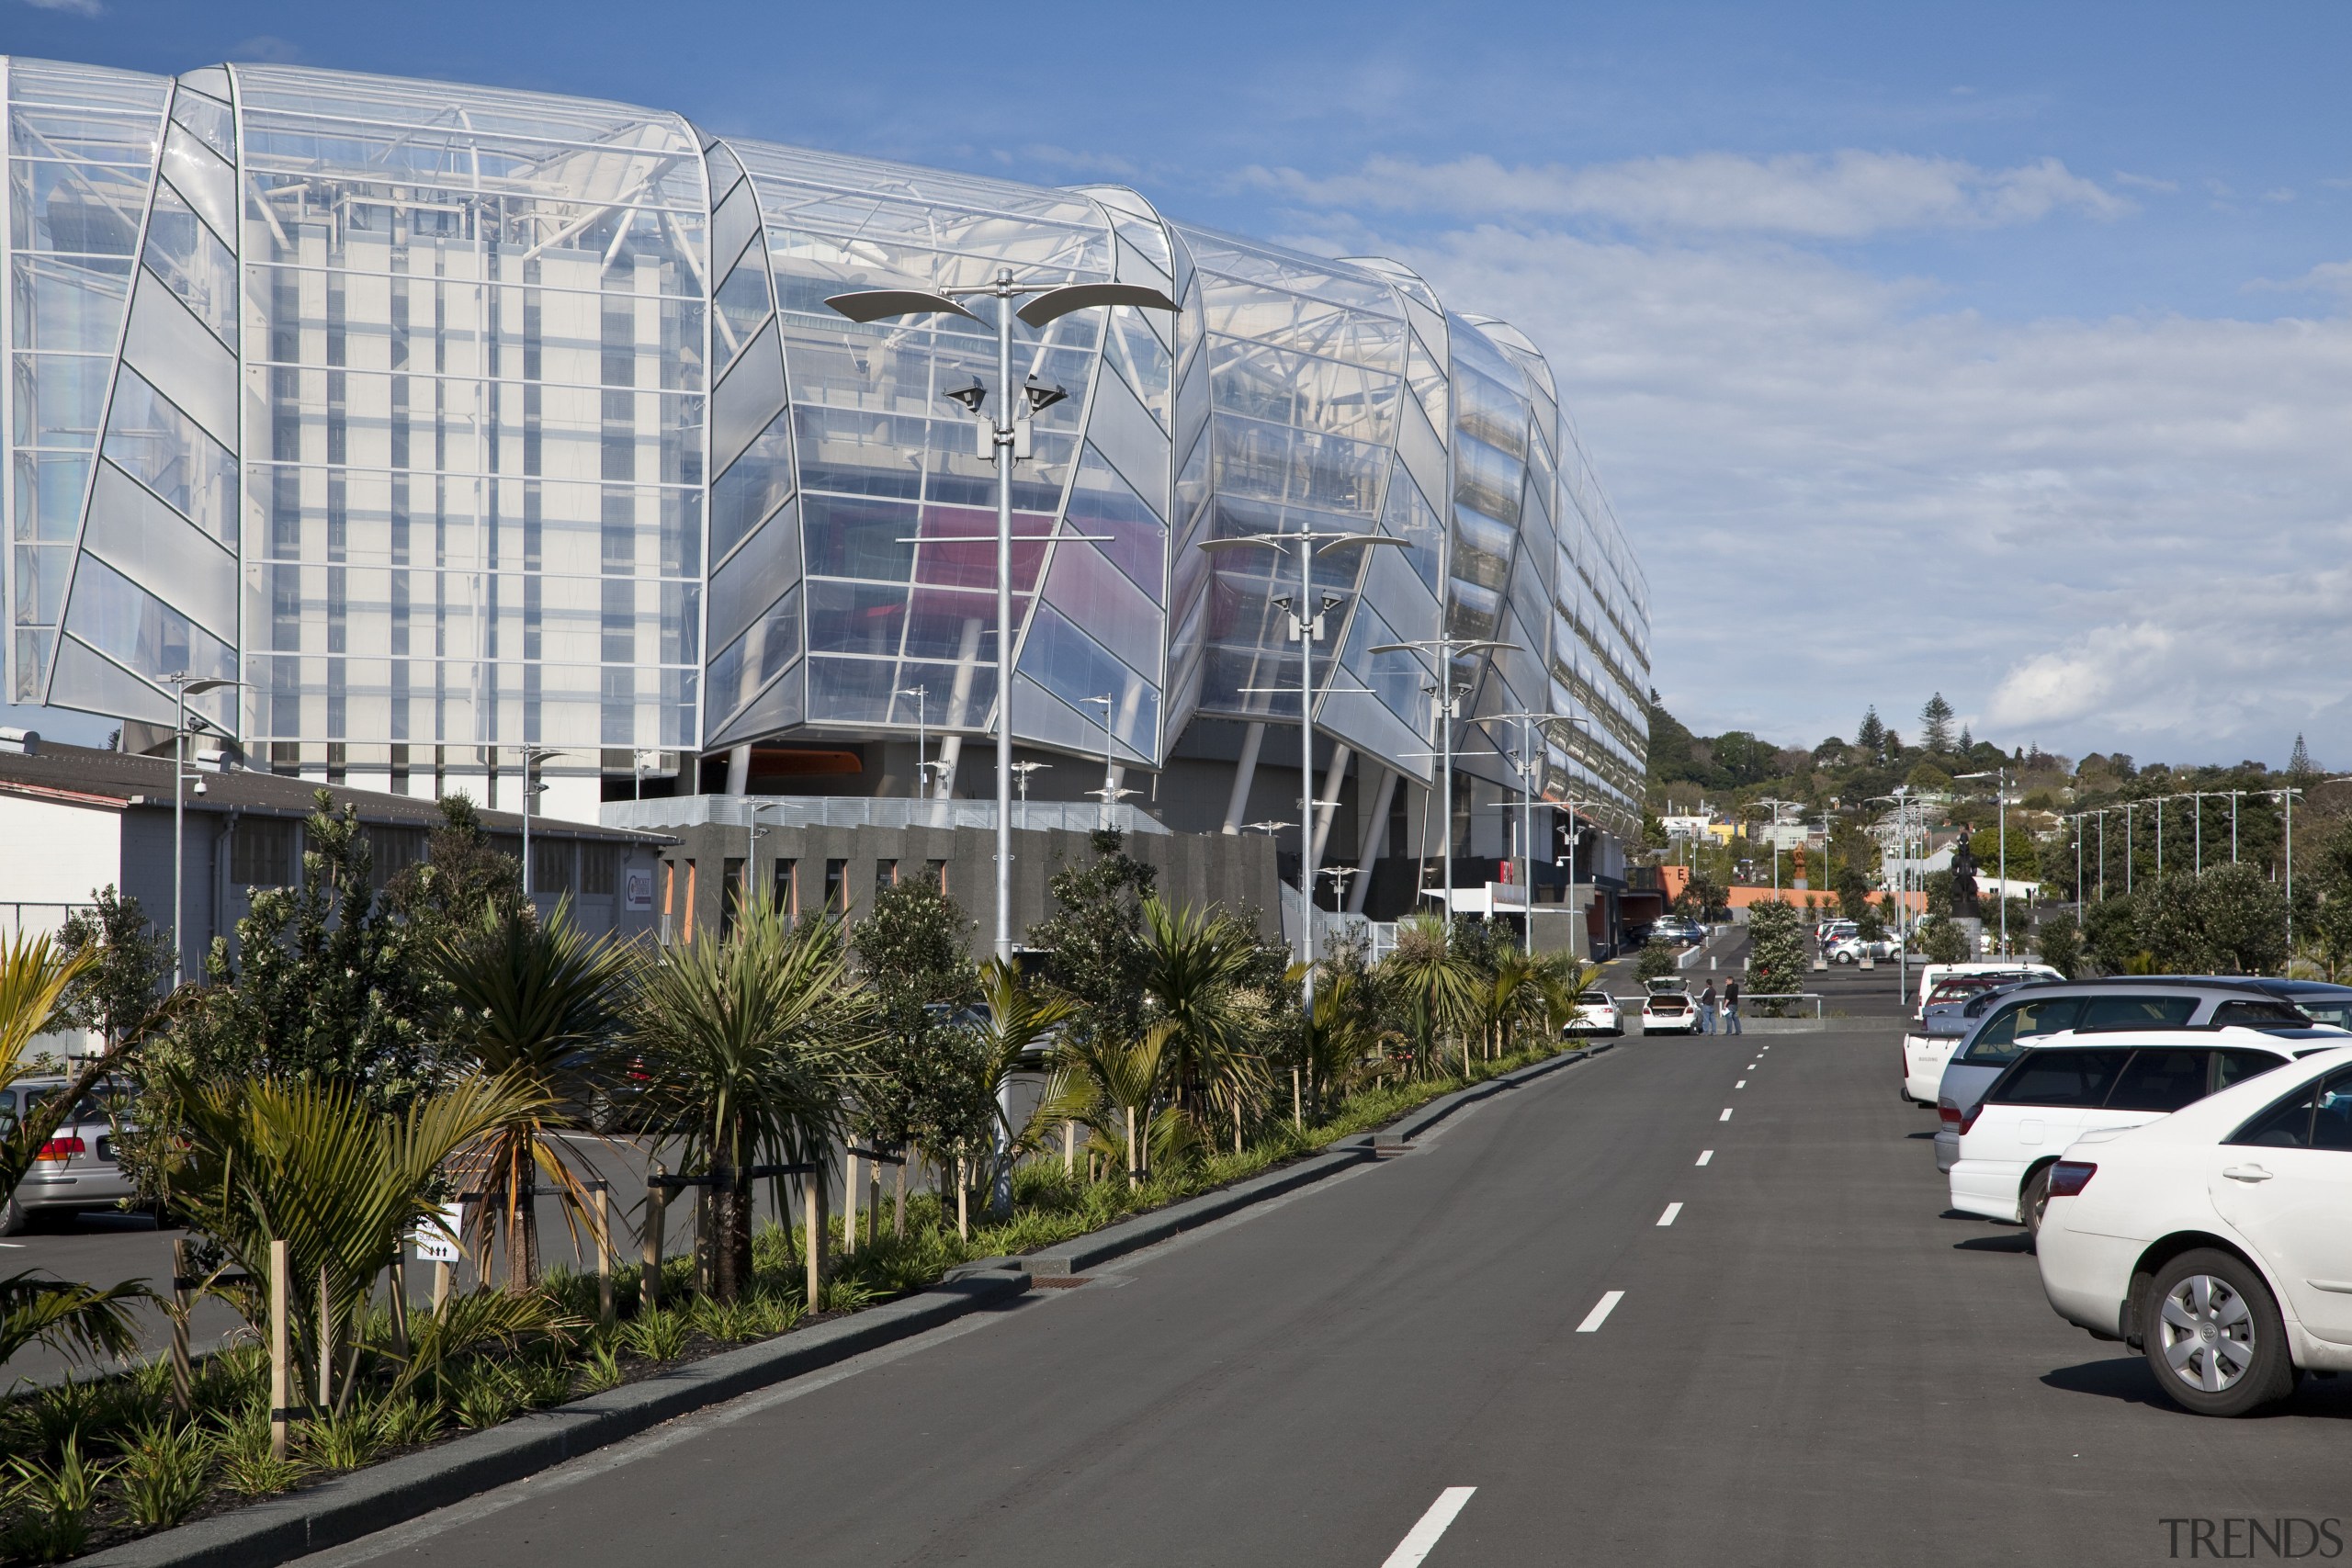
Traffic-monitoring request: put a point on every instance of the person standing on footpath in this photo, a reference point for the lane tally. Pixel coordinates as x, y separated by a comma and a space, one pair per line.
1707, 1010
1731, 1007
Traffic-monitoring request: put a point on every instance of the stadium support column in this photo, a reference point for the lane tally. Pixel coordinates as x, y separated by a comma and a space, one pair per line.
1376, 837
1245, 770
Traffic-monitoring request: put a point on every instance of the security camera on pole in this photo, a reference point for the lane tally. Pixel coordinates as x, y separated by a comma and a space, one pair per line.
1003, 443
183, 688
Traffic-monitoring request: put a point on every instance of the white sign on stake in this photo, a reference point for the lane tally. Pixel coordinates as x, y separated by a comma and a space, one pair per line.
435, 1246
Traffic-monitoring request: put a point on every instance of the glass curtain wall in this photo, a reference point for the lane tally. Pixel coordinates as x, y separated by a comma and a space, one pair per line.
475, 334
885, 560
83, 144
403, 403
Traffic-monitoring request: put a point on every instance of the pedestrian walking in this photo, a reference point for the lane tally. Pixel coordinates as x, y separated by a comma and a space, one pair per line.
1707, 1010
1731, 1007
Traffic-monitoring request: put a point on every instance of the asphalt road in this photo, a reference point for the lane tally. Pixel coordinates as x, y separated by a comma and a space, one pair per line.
1810, 1364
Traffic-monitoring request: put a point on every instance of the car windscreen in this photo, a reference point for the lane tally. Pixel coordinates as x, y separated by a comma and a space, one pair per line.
2059, 1077
1998, 1042
1596, 999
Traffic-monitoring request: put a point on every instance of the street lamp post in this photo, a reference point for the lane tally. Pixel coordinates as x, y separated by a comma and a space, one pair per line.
1111, 793
922, 696
183, 689
2000, 777
1447, 650
1006, 444
1306, 626
532, 757
1527, 822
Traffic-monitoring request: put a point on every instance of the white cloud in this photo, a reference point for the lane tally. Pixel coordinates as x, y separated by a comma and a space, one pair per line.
2094, 533
78, 8
2147, 182
1844, 195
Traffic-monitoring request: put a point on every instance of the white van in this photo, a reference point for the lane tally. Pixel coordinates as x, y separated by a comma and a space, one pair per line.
1931, 972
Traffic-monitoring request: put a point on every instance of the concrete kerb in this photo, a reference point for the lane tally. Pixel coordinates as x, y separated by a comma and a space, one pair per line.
279, 1530
1098, 1247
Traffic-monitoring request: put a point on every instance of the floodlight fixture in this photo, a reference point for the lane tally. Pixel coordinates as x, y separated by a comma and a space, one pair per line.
971, 397
1041, 396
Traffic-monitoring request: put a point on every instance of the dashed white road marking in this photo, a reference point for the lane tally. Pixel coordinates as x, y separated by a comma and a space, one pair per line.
1741, 1084
1424, 1534
1600, 1314
1726, 1115
1667, 1218
1705, 1155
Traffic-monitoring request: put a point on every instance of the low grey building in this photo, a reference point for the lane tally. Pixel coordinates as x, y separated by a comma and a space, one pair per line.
74, 820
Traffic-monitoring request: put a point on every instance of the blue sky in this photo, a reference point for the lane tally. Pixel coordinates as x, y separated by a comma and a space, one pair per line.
1999, 349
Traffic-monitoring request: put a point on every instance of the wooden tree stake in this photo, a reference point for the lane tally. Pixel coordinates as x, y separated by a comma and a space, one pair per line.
849, 1204
605, 1305
649, 1274
326, 1344
812, 1208
400, 1301
1069, 1148
280, 1349
183, 1384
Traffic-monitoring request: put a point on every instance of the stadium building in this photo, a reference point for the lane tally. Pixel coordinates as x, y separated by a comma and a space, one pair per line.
454, 422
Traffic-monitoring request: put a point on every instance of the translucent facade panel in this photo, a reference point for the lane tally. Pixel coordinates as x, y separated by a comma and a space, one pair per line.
1104, 507
180, 358
84, 680
745, 668
203, 177
166, 451
130, 626
149, 543
188, 255
751, 397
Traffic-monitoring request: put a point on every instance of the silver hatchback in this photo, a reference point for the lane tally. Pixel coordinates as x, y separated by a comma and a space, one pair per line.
77, 1168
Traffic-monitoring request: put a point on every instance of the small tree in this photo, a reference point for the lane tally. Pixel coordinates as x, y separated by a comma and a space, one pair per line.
2061, 944
1943, 939
1776, 960
1094, 940
1656, 963
117, 995
927, 1086
332, 987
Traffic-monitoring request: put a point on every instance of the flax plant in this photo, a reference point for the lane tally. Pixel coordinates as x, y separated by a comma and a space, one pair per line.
535, 1002
755, 1044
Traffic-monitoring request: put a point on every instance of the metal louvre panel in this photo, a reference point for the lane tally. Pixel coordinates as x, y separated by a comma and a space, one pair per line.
1129, 439
181, 359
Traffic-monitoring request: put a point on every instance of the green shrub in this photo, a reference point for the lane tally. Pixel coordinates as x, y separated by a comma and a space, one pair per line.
166, 1468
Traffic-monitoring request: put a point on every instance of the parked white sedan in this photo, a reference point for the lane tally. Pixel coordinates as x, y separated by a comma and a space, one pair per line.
2214, 1239
1669, 1012
2069, 1084
1596, 1013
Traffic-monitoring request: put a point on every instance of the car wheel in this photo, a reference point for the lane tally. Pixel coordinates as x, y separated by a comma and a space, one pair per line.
2033, 1200
1842, 958
14, 1218
2214, 1337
